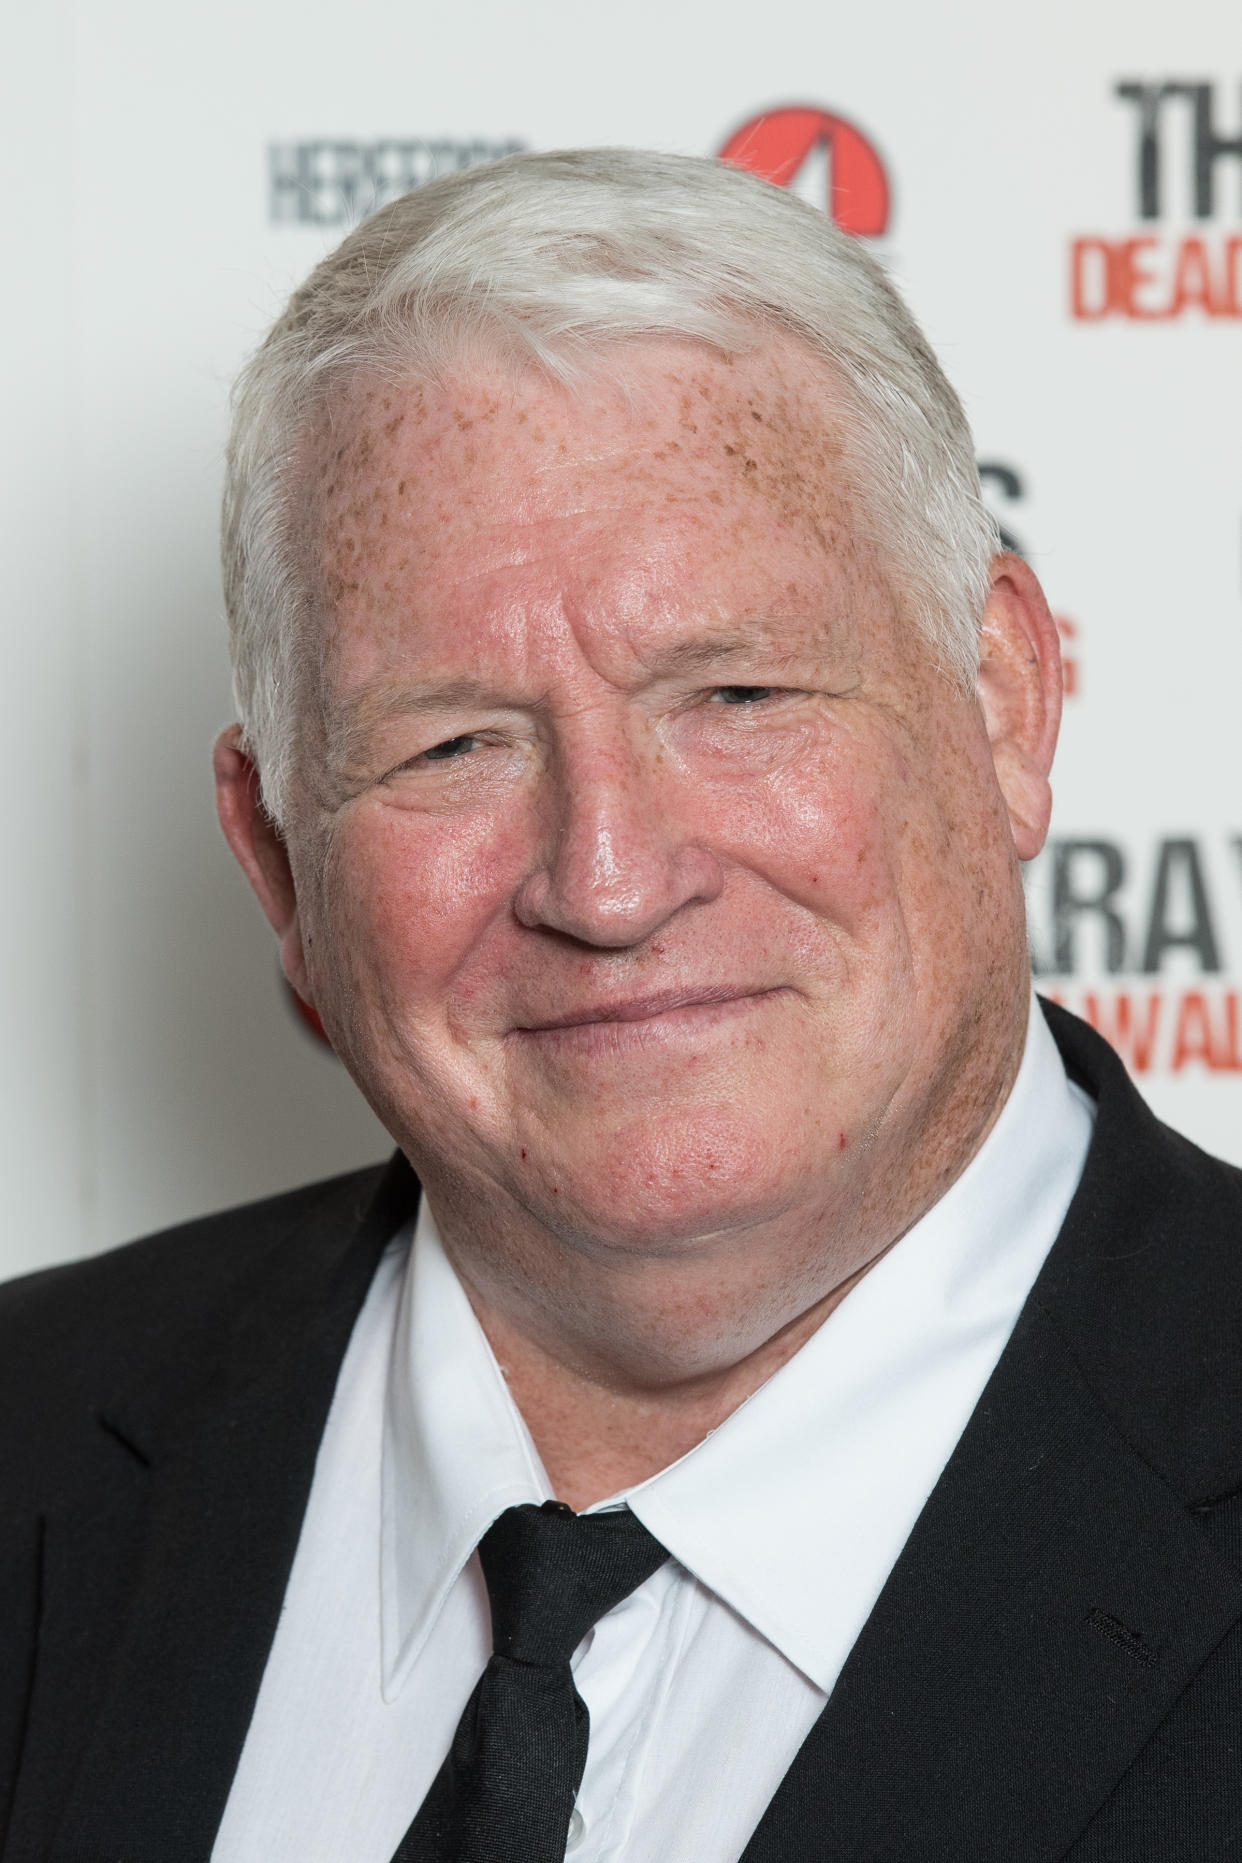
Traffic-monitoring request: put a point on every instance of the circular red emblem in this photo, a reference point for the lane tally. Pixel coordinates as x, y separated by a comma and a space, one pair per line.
778, 143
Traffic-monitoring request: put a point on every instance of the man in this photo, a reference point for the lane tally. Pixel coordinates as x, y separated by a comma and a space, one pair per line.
640, 740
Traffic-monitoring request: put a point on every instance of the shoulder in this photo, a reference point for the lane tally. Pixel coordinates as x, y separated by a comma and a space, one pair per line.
1145, 1280
1132, 1143
71, 1329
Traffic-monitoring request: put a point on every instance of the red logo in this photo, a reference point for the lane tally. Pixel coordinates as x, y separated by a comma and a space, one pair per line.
780, 144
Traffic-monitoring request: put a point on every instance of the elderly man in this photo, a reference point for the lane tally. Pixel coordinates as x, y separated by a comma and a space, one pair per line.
799, 1417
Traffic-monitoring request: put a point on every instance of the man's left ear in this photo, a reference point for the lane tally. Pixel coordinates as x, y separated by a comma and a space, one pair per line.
1019, 689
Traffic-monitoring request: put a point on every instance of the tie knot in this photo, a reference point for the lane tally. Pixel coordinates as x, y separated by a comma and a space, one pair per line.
551, 1574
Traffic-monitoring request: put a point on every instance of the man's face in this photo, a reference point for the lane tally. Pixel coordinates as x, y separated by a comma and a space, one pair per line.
656, 883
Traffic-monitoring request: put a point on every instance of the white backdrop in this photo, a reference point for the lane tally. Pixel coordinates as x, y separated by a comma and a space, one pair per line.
173, 171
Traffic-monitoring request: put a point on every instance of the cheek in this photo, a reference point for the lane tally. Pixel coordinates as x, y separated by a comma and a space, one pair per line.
409, 908
825, 835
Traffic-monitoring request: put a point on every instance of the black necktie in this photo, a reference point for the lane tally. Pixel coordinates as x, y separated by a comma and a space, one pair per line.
506, 1792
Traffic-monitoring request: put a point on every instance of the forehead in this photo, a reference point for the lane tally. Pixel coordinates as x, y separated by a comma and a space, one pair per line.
667, 467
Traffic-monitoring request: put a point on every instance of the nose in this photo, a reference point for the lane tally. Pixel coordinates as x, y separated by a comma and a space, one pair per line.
616, 862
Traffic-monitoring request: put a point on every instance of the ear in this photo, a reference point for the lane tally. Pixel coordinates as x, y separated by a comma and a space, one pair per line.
1019, 690
260, 850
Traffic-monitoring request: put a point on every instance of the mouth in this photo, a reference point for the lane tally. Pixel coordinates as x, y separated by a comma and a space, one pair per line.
661, 1006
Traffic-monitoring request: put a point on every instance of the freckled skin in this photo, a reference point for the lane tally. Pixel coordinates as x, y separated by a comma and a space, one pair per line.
703, 753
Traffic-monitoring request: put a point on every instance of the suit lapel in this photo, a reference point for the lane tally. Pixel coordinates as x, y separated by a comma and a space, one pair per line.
1056, 1595
1053, 1601
215, 1489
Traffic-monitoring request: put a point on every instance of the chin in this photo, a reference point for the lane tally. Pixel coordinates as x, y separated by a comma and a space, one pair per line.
665, 1191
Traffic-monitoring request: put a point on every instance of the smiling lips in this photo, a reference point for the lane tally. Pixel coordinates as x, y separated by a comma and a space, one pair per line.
666, 1006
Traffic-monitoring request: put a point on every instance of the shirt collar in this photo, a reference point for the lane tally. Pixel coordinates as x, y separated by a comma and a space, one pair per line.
456, 1451
795, 1510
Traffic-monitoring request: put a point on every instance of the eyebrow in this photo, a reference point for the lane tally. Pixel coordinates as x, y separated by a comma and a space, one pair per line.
690, 655
694, 656
379, 704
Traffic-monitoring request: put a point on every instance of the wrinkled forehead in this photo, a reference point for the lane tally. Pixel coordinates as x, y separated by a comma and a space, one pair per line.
683, 454
773, 422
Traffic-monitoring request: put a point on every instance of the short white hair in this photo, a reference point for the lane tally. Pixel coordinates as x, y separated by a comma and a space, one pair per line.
546, 259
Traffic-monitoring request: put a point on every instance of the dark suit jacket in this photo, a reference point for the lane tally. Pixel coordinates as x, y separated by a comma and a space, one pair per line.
1054, 1668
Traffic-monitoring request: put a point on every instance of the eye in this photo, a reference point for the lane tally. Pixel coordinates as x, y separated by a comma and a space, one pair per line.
451, 747
743, 695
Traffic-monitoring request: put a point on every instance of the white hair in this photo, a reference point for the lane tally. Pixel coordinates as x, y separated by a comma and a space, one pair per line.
545, 260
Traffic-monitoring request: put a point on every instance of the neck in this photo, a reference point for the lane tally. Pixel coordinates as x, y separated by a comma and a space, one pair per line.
598, 1430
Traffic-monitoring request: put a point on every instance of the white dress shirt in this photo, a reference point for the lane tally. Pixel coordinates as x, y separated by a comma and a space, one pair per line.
783, 1526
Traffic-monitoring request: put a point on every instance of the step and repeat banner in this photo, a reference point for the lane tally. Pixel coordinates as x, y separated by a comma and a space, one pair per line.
1060, 198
